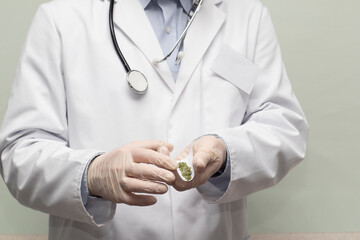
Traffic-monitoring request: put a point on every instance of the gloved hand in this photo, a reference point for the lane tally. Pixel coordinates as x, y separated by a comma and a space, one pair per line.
209, 155
138, 167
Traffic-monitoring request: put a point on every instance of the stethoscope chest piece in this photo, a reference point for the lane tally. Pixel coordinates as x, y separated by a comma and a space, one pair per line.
137, 82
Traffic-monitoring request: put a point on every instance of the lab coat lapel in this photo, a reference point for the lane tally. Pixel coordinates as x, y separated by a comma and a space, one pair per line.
130, 17
200, 35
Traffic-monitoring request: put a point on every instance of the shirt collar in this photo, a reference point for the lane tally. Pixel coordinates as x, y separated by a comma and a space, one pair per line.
186, 4
144, 3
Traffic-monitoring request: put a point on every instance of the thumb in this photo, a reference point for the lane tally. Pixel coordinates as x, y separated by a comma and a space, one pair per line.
201, 160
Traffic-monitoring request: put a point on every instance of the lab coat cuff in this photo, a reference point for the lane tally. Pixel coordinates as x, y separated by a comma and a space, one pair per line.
85, 195
98, 209
217, 185
214, 195
221, 181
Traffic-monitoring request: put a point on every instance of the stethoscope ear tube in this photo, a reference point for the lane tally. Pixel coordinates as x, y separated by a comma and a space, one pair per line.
113, 37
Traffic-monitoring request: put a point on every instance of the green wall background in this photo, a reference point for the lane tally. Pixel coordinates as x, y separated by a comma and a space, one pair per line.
320, 41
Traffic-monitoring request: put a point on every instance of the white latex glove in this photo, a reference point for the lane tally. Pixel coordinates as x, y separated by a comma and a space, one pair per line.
138, 167
209, 154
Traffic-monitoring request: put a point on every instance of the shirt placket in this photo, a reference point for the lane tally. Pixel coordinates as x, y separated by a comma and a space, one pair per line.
169, 32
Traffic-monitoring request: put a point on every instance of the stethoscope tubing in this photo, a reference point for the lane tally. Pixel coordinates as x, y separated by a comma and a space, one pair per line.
194, 10
113, 37
136, 80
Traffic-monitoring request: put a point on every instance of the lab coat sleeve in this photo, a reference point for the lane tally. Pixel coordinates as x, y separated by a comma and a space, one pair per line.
39, 168
273, 135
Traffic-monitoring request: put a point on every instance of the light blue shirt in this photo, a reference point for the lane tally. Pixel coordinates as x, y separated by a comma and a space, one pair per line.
168, 19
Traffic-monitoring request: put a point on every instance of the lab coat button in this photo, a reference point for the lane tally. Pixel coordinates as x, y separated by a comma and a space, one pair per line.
168, 30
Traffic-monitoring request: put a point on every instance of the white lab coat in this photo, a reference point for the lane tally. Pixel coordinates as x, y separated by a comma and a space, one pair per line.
70, 101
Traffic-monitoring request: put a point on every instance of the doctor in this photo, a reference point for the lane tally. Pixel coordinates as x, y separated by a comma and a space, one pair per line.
78, 143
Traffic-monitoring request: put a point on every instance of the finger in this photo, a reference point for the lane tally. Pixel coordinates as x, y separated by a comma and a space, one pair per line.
158, 159
211, 169
150, 172
183, 154
164, 150
153, 144
200, 178
139, 200
140, 186
181, 185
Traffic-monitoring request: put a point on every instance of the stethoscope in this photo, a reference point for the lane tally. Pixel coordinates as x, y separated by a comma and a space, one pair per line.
136, 80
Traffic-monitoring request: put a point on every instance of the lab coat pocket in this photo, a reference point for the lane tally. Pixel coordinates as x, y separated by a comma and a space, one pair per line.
235, 68
227, 83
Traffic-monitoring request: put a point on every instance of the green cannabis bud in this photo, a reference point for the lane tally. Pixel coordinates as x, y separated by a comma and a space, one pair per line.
185, 170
